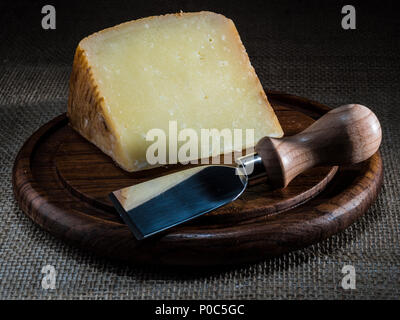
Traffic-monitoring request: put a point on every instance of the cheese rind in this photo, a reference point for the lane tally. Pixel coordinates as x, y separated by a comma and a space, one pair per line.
189, 67
86, 111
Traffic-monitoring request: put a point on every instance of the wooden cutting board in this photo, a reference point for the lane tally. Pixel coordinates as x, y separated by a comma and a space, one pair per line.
61, 182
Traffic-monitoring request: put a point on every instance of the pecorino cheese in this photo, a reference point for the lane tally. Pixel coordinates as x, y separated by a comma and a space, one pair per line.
190, 68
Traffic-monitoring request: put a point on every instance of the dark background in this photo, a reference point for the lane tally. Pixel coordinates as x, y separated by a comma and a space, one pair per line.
287, 41
296, 47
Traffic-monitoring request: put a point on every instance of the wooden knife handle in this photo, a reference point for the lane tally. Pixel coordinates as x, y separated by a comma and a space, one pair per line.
345, 135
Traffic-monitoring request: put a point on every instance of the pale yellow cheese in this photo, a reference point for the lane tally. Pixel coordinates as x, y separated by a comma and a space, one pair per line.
190, 68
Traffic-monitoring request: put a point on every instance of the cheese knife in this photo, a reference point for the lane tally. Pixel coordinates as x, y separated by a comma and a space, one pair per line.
345, 135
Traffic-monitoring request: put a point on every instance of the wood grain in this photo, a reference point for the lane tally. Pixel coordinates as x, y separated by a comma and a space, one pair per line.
61, 181
346, 135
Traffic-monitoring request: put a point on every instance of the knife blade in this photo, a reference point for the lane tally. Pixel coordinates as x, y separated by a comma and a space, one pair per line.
146, 207
348, 134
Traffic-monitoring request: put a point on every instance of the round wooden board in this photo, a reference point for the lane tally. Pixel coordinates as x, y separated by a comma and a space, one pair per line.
61, 182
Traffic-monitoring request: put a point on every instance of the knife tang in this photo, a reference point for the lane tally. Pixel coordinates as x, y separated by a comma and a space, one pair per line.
251, 165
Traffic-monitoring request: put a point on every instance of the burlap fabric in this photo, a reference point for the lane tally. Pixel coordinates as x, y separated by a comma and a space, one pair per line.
297, 47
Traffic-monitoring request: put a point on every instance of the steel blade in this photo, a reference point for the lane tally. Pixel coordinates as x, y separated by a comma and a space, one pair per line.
156, 205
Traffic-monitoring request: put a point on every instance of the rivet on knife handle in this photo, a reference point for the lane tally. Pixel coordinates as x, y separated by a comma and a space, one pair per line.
345, 135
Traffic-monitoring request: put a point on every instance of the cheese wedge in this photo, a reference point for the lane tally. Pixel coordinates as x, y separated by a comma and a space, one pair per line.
191, 68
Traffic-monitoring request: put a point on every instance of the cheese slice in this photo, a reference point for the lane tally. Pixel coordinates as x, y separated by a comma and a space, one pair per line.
191, 68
